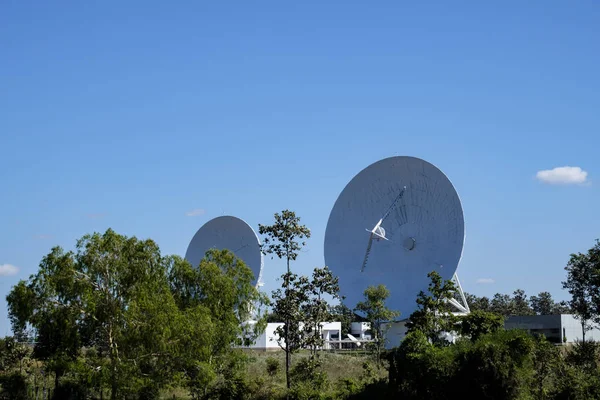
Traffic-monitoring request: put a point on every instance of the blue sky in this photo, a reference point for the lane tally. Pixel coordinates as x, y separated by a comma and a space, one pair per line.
131, 114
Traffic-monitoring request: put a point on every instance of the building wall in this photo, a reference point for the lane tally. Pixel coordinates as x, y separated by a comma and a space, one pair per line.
268, 340
548, 325
359, 329
554, 327
395, 334
572, 329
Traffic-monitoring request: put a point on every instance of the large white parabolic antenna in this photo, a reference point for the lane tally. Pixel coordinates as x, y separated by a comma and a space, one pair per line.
397, 220
229, 233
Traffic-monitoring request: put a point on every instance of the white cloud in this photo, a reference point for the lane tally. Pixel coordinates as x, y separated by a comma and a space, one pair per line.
195, 213
563, 176
485, 281
8, 270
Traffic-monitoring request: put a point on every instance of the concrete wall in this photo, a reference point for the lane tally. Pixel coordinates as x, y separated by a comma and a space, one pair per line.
359, 329
572, 329
268, 340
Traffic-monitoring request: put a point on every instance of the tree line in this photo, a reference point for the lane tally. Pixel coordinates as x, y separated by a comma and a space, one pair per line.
117, 319
518, 304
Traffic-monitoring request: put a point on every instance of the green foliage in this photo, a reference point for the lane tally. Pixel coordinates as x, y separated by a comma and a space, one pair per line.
288, 303
478, 303
478, 323
316, 310
12, 354
502, 304
348, 387
542, 304
376, 313
547, 363
574, 384
583, 284
505, 305
13, 386
585, 355
433, 316
309, 380
285, 239
116, 313
497, 366
521, 304
272, 366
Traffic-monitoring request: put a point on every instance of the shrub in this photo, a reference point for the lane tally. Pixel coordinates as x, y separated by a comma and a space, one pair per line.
149, 392
272, 366
497, 365
309, 380
347, 387
584, 355
13, 386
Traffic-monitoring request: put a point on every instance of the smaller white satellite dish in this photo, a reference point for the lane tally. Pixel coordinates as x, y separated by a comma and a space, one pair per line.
231, 233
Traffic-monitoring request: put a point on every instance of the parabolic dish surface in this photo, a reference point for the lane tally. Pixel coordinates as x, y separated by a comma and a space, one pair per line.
424, 228
231, 233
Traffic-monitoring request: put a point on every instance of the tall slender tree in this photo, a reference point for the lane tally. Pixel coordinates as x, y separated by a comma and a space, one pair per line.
316, 310
375, 311
284, 239
583, 275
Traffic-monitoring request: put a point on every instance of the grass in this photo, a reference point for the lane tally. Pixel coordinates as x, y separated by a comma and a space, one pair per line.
337, 366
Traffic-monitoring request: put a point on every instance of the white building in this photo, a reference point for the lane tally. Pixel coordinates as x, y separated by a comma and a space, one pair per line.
269, 340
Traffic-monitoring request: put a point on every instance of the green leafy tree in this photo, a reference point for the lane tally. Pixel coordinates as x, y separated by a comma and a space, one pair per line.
478, 323
542, 304
289, 304
583, 270
110, 289
546, 363
502, 304
323, 285
478, 303
377, 314
140, 319
216, 299
520, 303
13, 354
433, 316
284, 239
562, 307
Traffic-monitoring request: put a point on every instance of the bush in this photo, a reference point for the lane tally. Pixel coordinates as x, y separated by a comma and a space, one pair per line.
584, 355
309, 380
347, 387
574, 384
497, 365
149, 392
13, 386
272, 366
